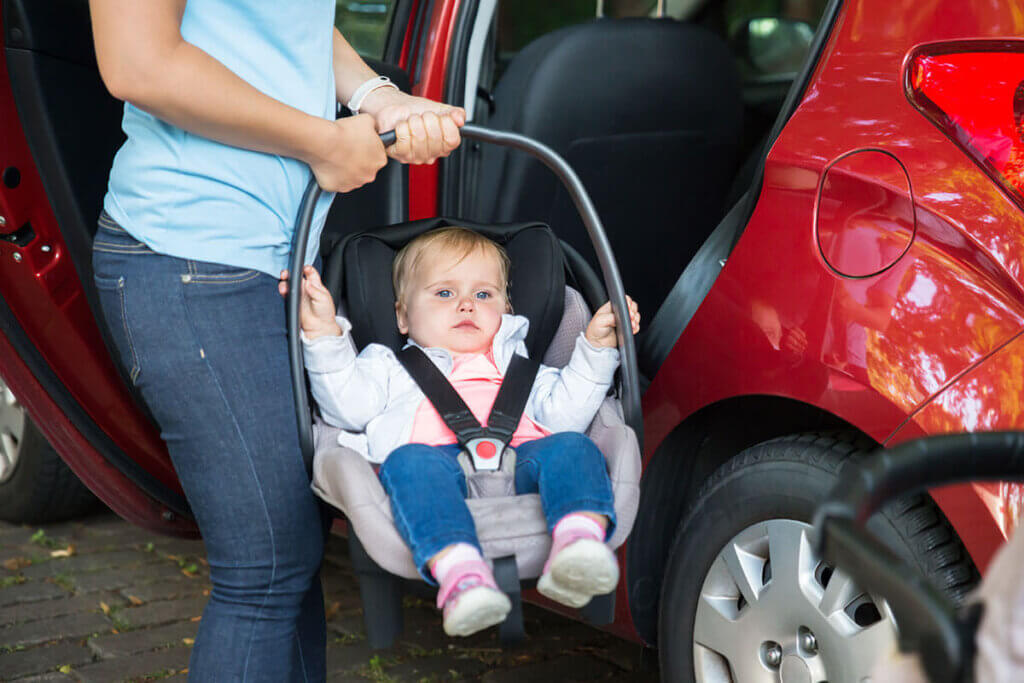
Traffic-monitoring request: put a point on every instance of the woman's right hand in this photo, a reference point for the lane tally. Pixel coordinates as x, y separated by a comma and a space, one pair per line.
317, 310
349, 154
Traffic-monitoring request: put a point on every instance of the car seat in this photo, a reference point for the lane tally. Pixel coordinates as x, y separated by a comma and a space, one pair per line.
512, 529
358, 274
650, 113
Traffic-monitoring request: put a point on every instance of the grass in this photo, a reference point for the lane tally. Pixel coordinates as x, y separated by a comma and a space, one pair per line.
8, 581
64, 581
374, 670
40, 538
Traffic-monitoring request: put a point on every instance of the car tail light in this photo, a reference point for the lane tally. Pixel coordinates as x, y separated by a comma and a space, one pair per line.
974, 93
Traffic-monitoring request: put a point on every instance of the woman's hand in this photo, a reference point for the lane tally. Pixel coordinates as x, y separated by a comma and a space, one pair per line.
425, 130
316, 312
601, 330
349, 154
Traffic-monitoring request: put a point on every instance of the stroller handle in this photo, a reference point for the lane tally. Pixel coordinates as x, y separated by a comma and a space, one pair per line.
928, 621
630, 378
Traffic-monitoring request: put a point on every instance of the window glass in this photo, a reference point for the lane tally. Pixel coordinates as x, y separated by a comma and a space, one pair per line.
771, 37
738, 11
364, 23
522, 21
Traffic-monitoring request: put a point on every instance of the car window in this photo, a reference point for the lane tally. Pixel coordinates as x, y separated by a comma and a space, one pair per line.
770, 37
735, 12
364, 23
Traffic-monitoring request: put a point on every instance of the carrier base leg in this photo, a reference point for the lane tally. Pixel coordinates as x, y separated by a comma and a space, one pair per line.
511, 632
600, 611
381, 593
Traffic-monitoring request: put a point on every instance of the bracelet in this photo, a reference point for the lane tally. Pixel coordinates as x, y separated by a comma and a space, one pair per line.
365, 89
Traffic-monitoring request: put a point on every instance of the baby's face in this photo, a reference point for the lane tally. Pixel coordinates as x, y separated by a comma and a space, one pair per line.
454, 305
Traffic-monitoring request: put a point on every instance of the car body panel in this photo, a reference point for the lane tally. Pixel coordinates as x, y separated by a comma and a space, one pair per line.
41, 287
870, 350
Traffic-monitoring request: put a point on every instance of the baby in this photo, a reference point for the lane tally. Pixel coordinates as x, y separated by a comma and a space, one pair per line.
451, 289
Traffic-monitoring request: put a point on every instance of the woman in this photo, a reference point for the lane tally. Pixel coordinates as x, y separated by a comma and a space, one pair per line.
229, 104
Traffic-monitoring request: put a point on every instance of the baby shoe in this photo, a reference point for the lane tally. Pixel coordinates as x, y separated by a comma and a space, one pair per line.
471, 600
578, 568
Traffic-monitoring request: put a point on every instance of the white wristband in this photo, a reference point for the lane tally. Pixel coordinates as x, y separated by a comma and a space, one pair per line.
365, 89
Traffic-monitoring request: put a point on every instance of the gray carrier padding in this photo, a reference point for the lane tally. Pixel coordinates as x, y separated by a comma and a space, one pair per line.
505, 526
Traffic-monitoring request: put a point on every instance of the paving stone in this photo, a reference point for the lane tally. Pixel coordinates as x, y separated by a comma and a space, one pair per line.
166, 590
115, 578
90, 562
53, 677
436, 665
30, 591
346, 624
108, 524
148, 664
46, 609
126, 643
162, 612
57, 628
39, 660
178, 546
15, 535
343, 658
575, 668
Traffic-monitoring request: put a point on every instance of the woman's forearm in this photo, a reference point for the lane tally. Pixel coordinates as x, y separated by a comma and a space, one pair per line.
144, 60
350, 71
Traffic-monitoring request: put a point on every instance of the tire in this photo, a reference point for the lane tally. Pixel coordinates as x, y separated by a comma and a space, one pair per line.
35, 484
734, 608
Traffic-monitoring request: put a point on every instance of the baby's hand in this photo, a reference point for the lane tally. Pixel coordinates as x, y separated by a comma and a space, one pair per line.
316, 312
601, 330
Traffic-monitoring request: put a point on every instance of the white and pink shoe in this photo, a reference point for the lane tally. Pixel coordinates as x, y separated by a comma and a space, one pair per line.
580, 565
470, 598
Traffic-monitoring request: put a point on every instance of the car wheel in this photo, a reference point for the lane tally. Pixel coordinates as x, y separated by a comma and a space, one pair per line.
35, 484
746, 599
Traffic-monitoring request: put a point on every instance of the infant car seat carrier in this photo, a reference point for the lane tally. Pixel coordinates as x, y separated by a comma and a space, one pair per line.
512, 530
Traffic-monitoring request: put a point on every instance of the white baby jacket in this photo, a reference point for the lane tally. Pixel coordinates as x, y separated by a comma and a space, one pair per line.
373, 394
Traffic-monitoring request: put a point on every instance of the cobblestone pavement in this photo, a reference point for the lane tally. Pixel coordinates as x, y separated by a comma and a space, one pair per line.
99, 600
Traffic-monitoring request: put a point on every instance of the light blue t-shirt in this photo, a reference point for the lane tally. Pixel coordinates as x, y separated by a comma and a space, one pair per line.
191, 197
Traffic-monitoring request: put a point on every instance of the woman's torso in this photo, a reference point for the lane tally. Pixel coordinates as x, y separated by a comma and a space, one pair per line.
191, 197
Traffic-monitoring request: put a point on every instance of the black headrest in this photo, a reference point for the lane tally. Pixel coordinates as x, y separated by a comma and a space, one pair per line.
536, 278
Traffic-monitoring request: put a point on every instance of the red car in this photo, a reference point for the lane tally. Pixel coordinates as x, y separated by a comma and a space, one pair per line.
817, 203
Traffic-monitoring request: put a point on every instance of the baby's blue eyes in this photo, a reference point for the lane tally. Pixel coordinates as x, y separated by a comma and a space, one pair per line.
447, 294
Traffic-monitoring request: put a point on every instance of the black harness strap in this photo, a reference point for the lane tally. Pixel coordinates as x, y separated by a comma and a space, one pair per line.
505, 413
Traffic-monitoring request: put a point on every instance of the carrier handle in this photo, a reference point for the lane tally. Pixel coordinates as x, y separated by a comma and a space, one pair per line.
630, 377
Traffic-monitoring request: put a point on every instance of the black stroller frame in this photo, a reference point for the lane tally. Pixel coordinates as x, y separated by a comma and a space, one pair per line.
928, 622
382, 592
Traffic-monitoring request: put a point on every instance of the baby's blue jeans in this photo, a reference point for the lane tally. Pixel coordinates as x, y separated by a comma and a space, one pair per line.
428, 489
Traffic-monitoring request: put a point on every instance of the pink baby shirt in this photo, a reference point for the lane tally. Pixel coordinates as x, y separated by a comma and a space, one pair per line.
476, 379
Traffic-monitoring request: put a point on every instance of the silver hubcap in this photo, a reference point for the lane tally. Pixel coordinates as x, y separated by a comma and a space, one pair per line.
771, 611
12, 425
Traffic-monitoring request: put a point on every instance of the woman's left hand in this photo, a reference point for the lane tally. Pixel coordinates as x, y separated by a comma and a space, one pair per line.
425, 130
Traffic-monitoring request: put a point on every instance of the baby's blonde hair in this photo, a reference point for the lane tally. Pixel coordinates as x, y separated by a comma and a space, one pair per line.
454, 241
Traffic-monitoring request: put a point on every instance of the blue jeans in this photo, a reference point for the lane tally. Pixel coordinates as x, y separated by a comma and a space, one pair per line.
428, 489
206, 346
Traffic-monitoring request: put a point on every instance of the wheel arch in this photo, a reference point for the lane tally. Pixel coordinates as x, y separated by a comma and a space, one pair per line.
713, 435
